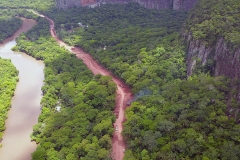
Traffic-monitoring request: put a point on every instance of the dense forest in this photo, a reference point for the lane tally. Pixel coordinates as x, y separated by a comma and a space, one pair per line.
8, 27
10, 21
8, 81
131, 46
77, 107
211, 20
170, 117
41, 5
186, 119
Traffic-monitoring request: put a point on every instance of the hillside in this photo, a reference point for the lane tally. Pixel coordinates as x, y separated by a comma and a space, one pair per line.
170, 117
213, 36
182, 68
152, 4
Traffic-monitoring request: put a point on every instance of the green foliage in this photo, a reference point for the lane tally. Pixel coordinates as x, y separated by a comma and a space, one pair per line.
125, 41
8, 81
170, 118
210, 20
8, 27
187, 122
82, 127
41, 5
10, 21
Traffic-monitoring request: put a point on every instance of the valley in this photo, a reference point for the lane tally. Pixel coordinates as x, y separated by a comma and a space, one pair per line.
123, 93
126, 81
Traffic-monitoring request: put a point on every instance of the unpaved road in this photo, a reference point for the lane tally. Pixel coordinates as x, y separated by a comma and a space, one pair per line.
123, 93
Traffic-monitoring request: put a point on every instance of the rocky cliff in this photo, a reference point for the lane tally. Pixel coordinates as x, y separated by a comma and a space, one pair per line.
212, 34
67, 3
157, 4
226, 61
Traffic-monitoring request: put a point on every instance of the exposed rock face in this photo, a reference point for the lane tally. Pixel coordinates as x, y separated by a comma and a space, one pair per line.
196, 50
87, 2
183, 4
227, 62
157, 4
67, 3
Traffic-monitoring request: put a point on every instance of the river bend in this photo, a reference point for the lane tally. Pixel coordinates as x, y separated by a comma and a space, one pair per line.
26, 101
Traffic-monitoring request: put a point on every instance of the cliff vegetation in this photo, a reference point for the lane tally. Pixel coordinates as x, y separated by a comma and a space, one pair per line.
212, 34
170, 117
211, 20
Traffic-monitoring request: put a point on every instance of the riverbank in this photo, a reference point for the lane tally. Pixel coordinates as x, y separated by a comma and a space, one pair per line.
26, 101
123, 93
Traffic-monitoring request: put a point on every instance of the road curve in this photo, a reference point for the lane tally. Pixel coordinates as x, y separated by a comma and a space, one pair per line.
123, 92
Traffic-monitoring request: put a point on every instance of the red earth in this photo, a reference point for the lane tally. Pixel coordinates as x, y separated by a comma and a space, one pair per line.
123, 93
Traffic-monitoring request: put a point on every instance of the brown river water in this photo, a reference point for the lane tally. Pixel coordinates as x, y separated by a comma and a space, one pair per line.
26, 101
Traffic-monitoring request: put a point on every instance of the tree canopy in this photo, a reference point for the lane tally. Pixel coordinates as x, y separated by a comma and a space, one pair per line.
170, 117
8, 81
210, 20
41, 5
77, 107
8, 27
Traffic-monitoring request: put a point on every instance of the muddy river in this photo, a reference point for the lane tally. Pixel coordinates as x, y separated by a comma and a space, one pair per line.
25, 103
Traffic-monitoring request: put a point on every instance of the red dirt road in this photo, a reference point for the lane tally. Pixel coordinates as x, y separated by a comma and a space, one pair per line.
123, 93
